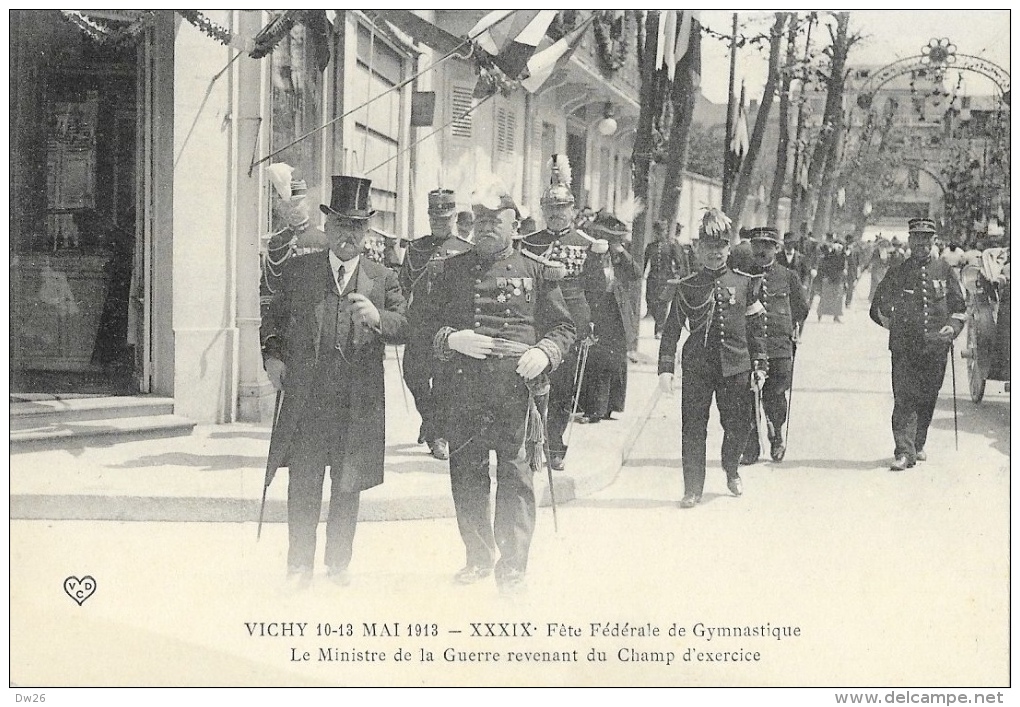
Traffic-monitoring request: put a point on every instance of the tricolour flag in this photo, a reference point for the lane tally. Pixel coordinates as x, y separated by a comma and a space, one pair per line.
482, 34
543, 64
514, 54
739, 141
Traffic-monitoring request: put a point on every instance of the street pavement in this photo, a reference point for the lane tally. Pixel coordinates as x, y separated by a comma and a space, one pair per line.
861, 576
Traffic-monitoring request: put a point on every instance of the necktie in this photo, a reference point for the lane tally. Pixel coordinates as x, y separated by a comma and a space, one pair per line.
340, 279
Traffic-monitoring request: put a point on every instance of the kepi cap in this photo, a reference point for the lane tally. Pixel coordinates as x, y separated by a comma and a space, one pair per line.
765, 233
922, 226
442, 202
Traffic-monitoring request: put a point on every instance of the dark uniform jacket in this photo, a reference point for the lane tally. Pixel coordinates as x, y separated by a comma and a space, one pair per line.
726, 320
423, 264
915, 299
666, 260
785, 309
509, 299
304, 321
796, 262
572, 250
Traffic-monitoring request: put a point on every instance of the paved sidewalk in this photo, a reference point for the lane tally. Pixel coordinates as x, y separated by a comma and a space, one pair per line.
216, 473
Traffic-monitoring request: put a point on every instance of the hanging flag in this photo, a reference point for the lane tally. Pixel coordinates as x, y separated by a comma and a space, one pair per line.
739, 141
688, 45
660, 40
482, 33
683, 34
514, 54
543, 64
669, 43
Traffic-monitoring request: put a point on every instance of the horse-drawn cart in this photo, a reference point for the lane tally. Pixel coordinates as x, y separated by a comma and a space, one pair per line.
987, 351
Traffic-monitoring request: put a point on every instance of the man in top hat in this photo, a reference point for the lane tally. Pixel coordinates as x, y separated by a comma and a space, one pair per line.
723, 355
791, 258
782, 295
504, 327
921, 304
323, 345
423, 263
562, 243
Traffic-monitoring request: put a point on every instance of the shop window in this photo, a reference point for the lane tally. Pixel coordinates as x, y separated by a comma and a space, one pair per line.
376, 137
74, 329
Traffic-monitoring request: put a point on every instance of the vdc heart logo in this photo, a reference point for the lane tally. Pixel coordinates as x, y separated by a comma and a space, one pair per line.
80, 589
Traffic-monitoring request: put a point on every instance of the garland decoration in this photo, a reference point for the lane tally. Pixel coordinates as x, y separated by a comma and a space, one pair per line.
611, 39
273, 33
102, 33
211, 29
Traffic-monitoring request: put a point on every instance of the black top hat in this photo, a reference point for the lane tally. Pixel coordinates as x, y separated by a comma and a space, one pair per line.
923, 226
765, 233
351, 198
442, 202
791, 238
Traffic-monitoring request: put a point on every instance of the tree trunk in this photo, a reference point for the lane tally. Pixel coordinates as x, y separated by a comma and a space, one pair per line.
783, 148
832, 123
746, 175
684, 94
731, 112
641, 160
827, 191
797, 221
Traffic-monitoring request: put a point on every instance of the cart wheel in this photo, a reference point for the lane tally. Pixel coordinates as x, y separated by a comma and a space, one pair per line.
975, 374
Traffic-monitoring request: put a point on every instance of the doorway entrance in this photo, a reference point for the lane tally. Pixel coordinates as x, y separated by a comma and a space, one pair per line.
77, 268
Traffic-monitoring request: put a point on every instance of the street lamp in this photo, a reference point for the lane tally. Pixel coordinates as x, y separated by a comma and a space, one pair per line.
607, 126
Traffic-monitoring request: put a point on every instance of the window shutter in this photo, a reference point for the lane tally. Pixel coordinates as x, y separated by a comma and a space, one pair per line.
462, 127
506, 130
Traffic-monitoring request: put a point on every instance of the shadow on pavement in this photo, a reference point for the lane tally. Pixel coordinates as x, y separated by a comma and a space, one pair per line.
623, 503
203, 462
834, 464
989, 418
263, 434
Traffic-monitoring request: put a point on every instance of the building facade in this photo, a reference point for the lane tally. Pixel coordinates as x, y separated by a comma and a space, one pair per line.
140, 202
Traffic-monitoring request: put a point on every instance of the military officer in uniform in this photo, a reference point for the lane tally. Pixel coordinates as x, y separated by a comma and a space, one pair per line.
723, 354
296, 234
560, 242
323, 342
785, 311
921, 304
423, 262
503, 327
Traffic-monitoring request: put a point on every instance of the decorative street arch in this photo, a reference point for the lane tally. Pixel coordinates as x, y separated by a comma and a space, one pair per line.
938, 56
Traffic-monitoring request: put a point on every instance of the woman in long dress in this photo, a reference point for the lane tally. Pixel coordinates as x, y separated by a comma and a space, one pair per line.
832, 273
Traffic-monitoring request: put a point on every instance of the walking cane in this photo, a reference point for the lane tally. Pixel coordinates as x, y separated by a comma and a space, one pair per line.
269, 476
956, 427
789, 403
403, 384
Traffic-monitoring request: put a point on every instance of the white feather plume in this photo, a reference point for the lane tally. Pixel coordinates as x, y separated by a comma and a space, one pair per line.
559, 168
629, 209
714, 221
